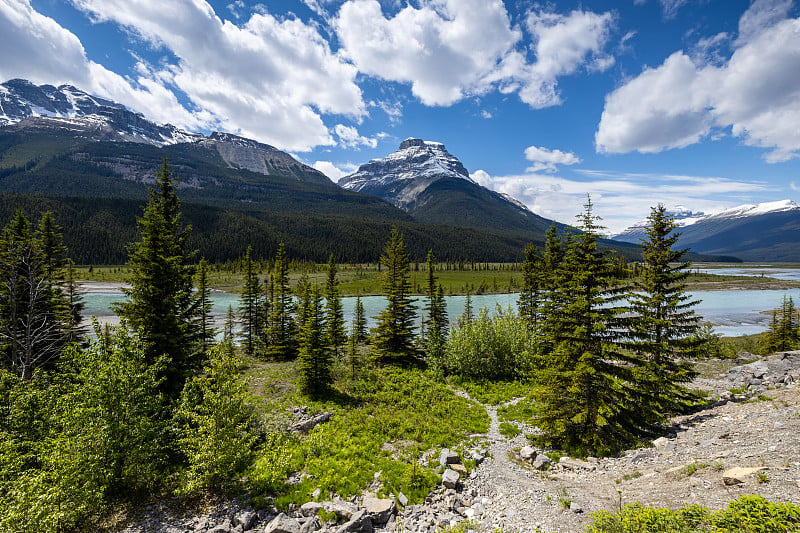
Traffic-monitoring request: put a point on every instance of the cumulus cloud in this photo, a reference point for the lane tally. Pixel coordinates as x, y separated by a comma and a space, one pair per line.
620, 199
433, 48
350, 138
544, 159
334, 172
755, 93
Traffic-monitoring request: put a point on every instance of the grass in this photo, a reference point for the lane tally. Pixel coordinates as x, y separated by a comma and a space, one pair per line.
493, 392
364, 279
508, 430
694, 467
748, 514
383, 421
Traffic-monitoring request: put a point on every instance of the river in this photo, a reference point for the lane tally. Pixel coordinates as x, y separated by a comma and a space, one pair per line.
732, 313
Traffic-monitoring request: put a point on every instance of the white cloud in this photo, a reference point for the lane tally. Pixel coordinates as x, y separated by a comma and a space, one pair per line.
268, 79
544, 159
434, 48
486, 114
671, 7
350, 138
334, 172
756, 94
762, 14
620, 199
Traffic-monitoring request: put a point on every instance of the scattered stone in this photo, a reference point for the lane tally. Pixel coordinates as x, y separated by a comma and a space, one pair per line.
310, 508
527, 453
450, 478
402, 499
660, 442
246, 519
379, 510
359, 523
311, 525
306, 425
344, 510
738, 474
448, 457
541, 462
283, 524
461, 469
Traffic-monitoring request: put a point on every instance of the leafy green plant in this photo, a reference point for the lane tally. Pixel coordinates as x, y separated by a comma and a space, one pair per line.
509, 430
762, 477
694, 467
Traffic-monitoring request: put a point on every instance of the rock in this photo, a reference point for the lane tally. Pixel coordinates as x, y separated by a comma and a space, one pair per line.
527, 453
738, 474
359, 523
541, 462
311, 525
477, 456
310, 508
402, 499
219, 529
448, 457
461, 469
575, 508
669, 447
344, 510
379, 510
450, 478
660, 442
283, 524
316, 493
246, 519
304, 426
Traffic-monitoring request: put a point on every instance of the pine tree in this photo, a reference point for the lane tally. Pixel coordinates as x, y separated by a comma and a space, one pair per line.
583, 389
282, 329
359, 322
335, 334
250, 306
393, 336
74, 300
204, 305
314, 357
466, 316
529, 302
228, 340
160, 300
664, 326
783, 333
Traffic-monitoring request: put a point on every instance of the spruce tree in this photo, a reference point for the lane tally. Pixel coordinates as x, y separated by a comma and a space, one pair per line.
281, 329
783, 333
75, 304
314, 357
251, 305
663, 326
529, 302
160, 302
359, 331
437, 316
582, 391
335, 334
204, 305
393, 337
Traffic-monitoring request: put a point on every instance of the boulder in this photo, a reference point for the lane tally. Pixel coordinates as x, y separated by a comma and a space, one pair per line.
311, 525
379, 510
359, 523
448, 457
246, 519
527, 453
304, 426
402, 499
461, 469
450, 478
310, 508
738, 474
541, 462
344, 510
283, 524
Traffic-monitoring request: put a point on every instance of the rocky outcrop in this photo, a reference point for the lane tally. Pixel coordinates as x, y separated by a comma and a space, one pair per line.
777, 370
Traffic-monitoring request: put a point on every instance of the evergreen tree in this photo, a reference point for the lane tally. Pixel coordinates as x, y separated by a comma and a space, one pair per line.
437, 316
359, 322
393, 336
783, 333
335, 334
205, 323
582, 391
314, 357
251, 305
529, 302
664, 326
33, 308
75, 303
282, 329
160, 302
466, 316
228, 327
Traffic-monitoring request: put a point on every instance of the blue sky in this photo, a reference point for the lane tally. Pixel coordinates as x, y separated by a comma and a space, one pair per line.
686, 102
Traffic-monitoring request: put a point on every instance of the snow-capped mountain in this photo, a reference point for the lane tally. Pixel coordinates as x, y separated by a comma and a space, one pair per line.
70, 108
404, 174
767, 231
636, 233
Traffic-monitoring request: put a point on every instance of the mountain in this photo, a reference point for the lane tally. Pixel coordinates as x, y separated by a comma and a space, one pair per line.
754, 232
636, 233
432, 185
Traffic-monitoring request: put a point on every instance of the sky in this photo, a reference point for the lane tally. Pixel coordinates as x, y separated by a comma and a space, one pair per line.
689, 103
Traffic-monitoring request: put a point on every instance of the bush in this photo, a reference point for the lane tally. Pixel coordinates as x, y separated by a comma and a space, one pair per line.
490, 347
215, 424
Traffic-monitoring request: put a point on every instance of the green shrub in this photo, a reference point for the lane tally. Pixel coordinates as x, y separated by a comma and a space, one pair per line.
494, 347
509, 430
